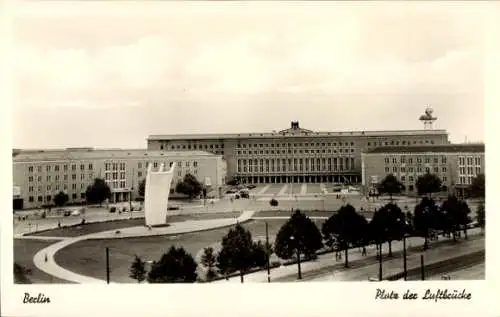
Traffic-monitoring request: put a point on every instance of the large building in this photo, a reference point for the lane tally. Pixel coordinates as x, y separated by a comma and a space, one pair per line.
40, 174
455, 164
295, 154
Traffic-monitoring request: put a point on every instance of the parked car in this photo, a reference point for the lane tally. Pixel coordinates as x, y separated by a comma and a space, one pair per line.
231, 191
112, 209
244, 195
251, 186
67, 213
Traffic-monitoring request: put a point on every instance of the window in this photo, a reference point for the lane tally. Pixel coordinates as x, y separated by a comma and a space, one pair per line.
403, 159
443, 160
410, 169
57, 177
66, 177
49, 198
73, 167
73, 177
436, 169
427, 160
410, 161
427, 170
30, 189
39, 178
47, 168
73, 186
90, 166
444, 178
387, 170
31, 198
40, 198
56, 168
155, 164
30, 179
436, 160
402, 169
443, 169
48, 187
478, 170
30, 169
39, 169
386, 160
395, 169
82, 177
82, 167
73, 196
48, 178
410, 178
403, 178
394, 160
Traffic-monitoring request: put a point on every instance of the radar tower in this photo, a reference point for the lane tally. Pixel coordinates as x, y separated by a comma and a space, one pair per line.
428, 119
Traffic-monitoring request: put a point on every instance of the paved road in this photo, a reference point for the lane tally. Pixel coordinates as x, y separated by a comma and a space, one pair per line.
325, 268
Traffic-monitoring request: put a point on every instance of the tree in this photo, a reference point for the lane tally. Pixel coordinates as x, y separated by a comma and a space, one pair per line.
306, 240
237, 252
260, 254
273, 202
428, 184
98, 192
20, 274
390, 185
176, 266
476, 188
345, 228
480, 216
61, 198
189, 186
456, 215
209, 260
138, 270
142, 188
425, 218
388, 224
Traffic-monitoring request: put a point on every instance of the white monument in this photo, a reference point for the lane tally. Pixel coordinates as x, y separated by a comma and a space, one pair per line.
156, 194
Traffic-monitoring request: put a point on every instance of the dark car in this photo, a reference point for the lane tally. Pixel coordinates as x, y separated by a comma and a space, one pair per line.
244, 195
251, 186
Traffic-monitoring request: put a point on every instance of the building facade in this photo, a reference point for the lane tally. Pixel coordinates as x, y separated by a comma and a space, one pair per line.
295, 154
40, 174
455, 164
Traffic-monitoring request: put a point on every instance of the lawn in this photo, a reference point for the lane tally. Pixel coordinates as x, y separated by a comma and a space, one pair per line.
89, 228
24, 250
88, 257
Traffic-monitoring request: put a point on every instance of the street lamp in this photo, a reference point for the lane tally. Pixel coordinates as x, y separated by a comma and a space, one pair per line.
292, 239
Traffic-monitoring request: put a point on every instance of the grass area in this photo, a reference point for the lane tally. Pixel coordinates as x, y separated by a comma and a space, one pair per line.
88, 257
24, 250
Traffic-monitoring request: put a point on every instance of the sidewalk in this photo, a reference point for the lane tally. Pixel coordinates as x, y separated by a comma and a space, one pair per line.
324, 263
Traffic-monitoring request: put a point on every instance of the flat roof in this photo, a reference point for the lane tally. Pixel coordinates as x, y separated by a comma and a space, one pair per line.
291, 133
444, 148
90, 153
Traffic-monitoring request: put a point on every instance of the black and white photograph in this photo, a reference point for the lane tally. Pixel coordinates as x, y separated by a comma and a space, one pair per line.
248, 142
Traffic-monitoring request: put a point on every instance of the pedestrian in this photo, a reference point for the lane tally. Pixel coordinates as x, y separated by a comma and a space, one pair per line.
59, 224
46, 258
364, 251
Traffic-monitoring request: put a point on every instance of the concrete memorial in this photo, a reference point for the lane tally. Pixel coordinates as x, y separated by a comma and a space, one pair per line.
156, 195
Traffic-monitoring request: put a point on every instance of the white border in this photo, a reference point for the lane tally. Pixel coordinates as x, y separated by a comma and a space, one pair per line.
294, 299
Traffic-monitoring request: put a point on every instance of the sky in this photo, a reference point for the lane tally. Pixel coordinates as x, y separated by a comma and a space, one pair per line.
110, 74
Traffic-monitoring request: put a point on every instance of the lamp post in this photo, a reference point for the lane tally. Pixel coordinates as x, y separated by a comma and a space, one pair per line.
130, 200
380, 262
292, 238
268, 255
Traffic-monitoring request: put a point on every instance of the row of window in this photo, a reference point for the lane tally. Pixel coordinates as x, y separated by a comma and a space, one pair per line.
465, 180
418, 169
289, 145
114, 175
266, 152
411, 178
469, 170
470, 160
49, 197
55, 187
114, 166
57, 177
157, 164
404, 159
298, 165
48, 168
113, 184
193, 146
403, 142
